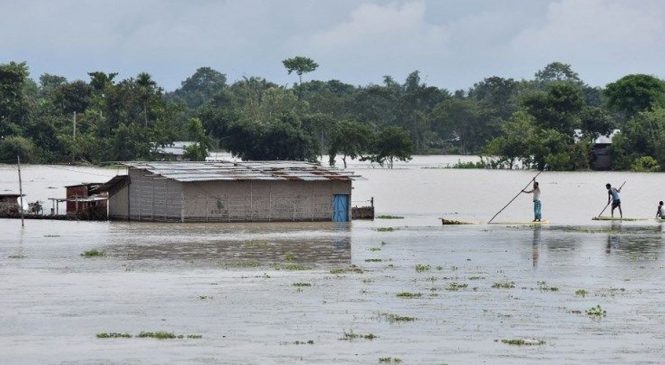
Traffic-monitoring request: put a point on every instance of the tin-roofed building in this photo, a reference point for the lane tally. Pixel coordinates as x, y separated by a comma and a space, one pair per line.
222, 191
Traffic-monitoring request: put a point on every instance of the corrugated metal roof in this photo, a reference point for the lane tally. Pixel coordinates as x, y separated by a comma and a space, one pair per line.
245, 170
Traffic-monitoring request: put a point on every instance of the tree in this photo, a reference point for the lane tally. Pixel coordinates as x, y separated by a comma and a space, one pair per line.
13, 101
632, 94
558, 108
392, 143
199, 150
557, 71
596, 122
300, 65
350, 139
515, 142
147, 88
13, 146
200, 88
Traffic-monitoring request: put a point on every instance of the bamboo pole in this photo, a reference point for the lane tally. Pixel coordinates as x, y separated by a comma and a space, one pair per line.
513, 199
20, 188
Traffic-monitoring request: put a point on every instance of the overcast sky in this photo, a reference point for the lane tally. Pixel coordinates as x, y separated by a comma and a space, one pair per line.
453, 43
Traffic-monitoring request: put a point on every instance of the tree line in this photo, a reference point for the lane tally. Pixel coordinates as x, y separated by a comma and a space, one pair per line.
547, 122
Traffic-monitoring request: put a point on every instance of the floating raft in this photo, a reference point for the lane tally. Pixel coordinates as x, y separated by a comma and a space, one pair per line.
619, 219
447, 222
531, 223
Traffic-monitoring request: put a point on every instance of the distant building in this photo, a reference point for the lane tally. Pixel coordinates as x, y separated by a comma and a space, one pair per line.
173, 151
85, 201
601, 152
223, 191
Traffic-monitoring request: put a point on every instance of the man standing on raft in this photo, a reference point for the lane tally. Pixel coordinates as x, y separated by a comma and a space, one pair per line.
537, 206
613, 194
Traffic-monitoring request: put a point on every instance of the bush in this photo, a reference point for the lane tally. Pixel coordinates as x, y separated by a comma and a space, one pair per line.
12, 146
645, 164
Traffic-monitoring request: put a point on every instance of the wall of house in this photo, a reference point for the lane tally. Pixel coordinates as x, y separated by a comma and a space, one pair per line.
222, 201
118, 204
153, 198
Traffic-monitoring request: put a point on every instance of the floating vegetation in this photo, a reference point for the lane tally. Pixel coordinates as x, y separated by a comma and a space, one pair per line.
373, 260
409, 295
113, 335
15, 257
543, 287
456, 286
301, 284
390, 360
581, 293
204, 297
92, 253
476, 277
162, 335
596, 312
422, 268
345, 270
349, 336
394, 318
504, 285
386, 216
51, 235
522, 342
374, 249
289, 257
386, 229
308, 342
296, 267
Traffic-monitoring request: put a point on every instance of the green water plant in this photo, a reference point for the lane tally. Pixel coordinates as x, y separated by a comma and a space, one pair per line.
345, 270
113, 335
408, 295
394, 318
422, 268
386, 229
390, 360
596, 312
349, 336
581, 293
373, 260
522, 342
454, 286
504, 285
300, 285
387, 216
92, 253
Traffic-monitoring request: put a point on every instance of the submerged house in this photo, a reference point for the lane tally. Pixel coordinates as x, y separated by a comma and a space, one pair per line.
223, 191
9, 204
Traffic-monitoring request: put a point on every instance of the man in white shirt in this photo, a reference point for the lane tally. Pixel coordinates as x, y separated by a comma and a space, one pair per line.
537, 206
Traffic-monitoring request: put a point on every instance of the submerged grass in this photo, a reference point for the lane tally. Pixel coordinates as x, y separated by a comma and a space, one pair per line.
350, 336
92, 253
373, 260
581, 293
113, 335
456, 286
163, 335
301, 284
386, 229
596, 312
394, 318
543, 287
504, 285
390, 360
522, 342
353, 269
387, 216
409, 295
422, 268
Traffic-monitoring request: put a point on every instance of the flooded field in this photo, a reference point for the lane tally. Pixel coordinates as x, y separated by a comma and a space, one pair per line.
390, 291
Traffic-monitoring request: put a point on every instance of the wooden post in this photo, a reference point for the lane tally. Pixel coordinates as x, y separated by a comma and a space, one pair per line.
20, 188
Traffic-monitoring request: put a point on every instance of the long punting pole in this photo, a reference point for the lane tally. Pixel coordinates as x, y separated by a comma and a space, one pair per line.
513, 199
608, 204
20, 188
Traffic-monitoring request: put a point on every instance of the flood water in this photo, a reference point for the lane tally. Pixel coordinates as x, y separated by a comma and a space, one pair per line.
288, 293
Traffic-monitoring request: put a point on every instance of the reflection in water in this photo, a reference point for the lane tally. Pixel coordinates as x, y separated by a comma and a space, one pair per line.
535, 248
244, 247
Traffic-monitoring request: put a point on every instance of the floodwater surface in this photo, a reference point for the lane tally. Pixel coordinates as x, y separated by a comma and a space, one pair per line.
392, 290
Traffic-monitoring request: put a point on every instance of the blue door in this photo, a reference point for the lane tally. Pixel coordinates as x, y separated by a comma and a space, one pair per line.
340, 208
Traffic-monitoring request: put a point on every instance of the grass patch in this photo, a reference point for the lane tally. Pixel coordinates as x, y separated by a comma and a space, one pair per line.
113, 335
543, 287
373, 260
350, 336
456, 286
596, 312
581, 293
300, 285
408, 295
422, 268
374, 249
390, 360
163, 335
386, 229
522, 342
289, 257
295, 267
387, 216
394, 318
504, 285
353, 269
92, 253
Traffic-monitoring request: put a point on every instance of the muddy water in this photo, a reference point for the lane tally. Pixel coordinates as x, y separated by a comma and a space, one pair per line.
233, 284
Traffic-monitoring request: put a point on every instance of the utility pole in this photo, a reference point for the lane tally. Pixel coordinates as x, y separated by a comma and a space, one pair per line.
20, 188
74, 126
